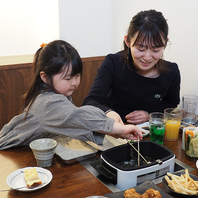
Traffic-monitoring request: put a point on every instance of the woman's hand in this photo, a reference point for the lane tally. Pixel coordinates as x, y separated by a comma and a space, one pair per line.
115, 116
129, 131
137, 117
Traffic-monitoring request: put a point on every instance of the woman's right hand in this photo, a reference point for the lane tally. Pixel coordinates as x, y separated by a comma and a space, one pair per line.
115, 116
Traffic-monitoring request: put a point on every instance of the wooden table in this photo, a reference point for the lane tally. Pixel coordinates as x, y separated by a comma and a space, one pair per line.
68, 180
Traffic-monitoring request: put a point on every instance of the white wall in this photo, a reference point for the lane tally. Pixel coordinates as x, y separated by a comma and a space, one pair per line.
25, 24
182, 18
86, 25
97, 27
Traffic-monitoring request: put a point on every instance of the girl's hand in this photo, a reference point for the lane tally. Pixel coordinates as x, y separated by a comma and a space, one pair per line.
129, 132
137, 117
115, 116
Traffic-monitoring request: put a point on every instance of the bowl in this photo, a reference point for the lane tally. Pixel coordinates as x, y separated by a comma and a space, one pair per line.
43, 150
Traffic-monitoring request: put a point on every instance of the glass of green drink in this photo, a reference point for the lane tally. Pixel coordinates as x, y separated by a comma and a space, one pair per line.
157, 127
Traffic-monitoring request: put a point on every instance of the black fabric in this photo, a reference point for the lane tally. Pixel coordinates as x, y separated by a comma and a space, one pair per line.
123, 90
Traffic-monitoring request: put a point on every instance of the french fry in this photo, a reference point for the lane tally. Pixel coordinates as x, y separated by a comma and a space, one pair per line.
182, 184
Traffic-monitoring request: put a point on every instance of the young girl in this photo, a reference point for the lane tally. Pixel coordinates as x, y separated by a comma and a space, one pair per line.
49, 110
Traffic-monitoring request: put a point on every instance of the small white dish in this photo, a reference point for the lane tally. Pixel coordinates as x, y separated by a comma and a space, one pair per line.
143, 127
197, 164
16, 179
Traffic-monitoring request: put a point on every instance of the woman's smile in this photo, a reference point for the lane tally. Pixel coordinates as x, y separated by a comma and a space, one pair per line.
146, 64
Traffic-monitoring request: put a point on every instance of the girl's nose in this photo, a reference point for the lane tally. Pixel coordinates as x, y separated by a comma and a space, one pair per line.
74, 81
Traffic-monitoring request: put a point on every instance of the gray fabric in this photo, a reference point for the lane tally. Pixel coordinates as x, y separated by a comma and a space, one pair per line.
55, 114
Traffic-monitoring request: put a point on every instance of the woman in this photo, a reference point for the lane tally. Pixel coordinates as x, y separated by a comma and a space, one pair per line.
136, 81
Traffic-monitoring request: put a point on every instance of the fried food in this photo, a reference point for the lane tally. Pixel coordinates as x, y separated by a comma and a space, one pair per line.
31, 178
131, 193
151, 193
183, 184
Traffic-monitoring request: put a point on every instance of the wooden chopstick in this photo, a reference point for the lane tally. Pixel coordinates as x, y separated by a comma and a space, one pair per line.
187, 124
137, 151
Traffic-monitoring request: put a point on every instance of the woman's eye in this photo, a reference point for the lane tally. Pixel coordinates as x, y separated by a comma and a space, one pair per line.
156, 50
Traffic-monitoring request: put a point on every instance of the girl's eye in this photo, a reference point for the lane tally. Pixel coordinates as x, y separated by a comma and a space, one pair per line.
68, 78
78, 75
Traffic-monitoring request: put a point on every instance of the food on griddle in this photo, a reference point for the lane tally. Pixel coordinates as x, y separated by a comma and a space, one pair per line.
151, 193
133, 162
183, 184
131, 193
31, 178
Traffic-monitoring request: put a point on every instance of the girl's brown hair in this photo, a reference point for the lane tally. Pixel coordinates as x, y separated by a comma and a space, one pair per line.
51, 59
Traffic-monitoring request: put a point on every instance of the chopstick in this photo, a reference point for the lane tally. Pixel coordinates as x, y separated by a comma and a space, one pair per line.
138, 152
186, 124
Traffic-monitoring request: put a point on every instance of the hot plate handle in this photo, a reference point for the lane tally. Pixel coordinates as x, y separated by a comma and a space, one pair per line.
109, 175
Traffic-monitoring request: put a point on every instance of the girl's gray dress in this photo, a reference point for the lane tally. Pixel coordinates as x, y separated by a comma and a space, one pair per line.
54, 114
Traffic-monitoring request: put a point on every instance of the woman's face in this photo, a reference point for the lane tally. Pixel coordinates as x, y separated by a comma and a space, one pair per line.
64, 83
143, 56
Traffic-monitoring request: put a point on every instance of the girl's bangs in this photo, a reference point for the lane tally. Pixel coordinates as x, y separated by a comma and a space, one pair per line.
76, 64
150, 40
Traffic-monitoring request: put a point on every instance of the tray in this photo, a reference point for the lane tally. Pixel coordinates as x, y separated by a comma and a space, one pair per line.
108, 142
194, 177
70, 150
139, 189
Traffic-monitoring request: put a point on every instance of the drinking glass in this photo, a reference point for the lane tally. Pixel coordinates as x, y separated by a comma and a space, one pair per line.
157, 127
189, 103
173, 121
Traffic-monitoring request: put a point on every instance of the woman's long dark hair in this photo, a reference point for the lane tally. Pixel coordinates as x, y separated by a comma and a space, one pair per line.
51, 59
150, 26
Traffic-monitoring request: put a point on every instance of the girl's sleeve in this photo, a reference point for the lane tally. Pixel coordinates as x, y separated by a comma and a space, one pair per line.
102, 85
61, 117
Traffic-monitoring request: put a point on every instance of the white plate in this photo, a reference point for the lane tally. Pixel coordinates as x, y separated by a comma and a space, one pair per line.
145, 132
16, 179
197, 164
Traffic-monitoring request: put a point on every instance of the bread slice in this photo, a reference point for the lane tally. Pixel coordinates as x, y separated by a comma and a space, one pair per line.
31, 178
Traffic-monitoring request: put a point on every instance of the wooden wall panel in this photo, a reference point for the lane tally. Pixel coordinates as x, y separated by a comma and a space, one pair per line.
15, 81
90, 67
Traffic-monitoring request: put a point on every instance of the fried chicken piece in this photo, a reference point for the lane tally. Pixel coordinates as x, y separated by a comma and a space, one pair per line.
151, 193
131, 193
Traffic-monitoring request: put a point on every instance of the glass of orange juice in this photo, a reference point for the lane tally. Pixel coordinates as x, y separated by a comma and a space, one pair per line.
173, 120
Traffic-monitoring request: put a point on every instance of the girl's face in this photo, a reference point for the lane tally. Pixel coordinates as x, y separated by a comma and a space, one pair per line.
64, 83
143, 56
